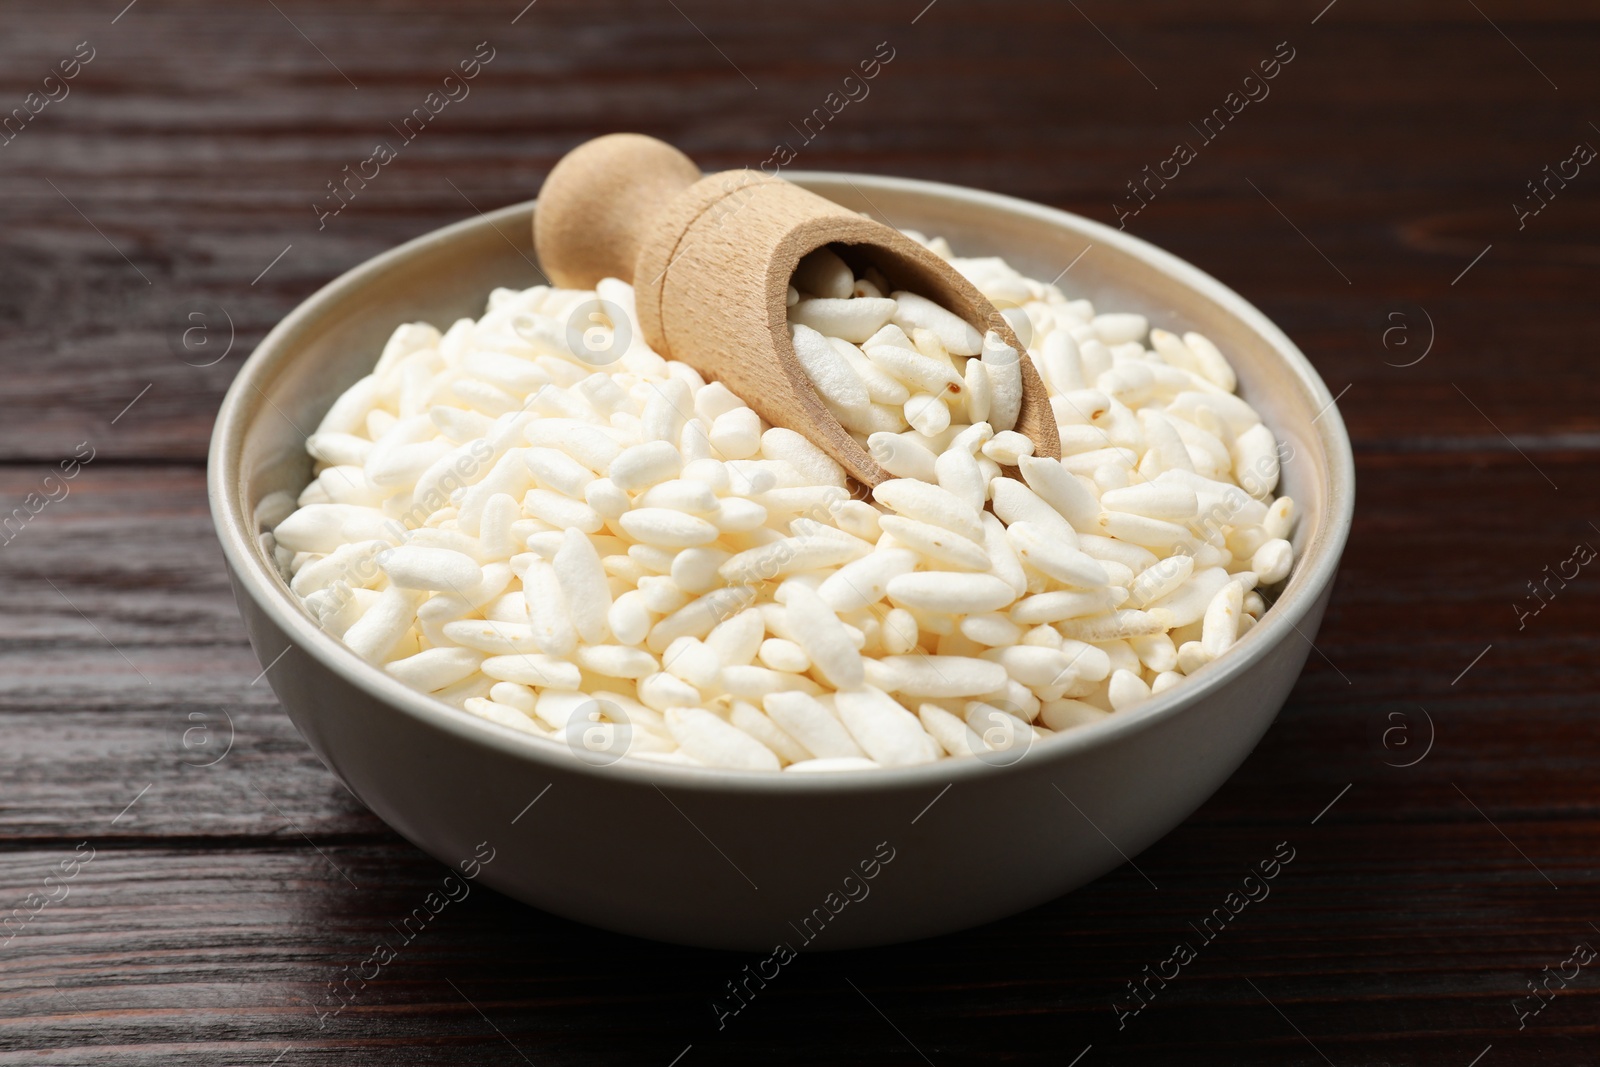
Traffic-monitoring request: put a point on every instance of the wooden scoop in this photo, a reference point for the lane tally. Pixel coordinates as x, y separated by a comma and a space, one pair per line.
710, 259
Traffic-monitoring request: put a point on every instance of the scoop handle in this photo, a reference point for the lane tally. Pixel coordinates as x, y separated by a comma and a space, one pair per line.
601, 201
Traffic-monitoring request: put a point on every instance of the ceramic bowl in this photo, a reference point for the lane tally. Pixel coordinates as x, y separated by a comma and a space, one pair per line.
743, 860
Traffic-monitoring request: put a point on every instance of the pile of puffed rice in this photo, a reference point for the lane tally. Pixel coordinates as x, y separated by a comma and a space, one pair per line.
538, 520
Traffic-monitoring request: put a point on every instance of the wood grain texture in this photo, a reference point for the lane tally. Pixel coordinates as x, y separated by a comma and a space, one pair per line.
217, 911
600, 203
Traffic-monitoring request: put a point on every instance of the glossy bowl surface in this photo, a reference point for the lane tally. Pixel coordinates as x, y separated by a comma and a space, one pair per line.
746, 860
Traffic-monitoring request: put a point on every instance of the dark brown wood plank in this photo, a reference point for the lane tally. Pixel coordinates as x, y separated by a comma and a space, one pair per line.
156, 956
217, 165
1420, 902
123, 665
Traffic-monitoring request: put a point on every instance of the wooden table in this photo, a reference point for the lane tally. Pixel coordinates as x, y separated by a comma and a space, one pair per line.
1435, 771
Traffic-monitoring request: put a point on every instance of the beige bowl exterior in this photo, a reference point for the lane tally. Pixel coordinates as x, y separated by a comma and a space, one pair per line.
743, 860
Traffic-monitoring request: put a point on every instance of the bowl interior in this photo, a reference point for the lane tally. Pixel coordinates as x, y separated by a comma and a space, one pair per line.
260, 464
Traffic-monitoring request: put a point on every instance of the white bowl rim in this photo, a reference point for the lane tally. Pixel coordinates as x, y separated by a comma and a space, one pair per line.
1312, 575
